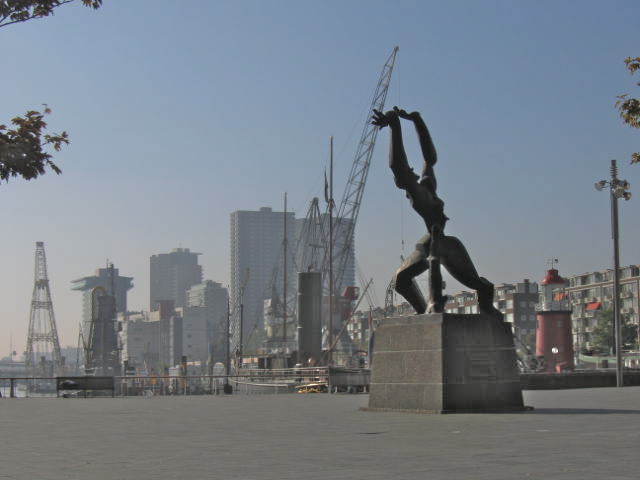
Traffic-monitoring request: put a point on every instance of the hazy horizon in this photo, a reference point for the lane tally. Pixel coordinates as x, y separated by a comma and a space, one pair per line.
180, 113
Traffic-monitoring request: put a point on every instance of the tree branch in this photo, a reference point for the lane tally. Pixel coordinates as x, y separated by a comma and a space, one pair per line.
629, 108
18, 11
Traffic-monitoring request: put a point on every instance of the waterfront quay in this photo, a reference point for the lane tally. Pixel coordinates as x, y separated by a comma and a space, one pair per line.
571, 434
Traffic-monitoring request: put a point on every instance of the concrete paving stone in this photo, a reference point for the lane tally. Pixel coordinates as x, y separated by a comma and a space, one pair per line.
572, 434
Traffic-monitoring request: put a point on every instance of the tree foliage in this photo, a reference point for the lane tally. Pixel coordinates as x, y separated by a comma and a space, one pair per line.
16, 11
629, 107
602, 336
23, 147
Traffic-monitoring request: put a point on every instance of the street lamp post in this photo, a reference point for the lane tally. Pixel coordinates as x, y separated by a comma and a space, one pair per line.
619, 189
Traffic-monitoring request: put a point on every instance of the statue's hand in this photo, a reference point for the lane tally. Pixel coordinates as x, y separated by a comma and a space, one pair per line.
383, 119
379, 119
408, 116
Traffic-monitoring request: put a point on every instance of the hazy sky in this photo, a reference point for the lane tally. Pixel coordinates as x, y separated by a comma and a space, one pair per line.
181, 112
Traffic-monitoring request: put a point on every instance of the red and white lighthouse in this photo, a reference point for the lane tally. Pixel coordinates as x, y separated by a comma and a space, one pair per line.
554, 344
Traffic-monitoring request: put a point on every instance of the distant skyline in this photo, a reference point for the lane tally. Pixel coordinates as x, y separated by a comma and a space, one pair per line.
180, 113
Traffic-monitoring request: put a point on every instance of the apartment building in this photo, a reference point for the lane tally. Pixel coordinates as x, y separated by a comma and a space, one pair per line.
517, 302
592, 292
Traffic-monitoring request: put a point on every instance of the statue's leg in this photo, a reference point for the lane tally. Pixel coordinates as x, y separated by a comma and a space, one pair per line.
456, 260
436, 299
404, 279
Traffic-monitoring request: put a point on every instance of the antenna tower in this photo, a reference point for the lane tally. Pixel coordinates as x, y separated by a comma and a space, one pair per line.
43, 356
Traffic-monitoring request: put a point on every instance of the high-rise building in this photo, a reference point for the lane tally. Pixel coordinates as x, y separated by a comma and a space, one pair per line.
256, 241
212, 298
171, 275
112, 282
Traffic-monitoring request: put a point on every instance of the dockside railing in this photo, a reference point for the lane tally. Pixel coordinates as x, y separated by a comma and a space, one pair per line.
247, 381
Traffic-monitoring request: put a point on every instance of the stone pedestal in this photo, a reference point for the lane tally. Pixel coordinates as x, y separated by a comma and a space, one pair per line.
441, 363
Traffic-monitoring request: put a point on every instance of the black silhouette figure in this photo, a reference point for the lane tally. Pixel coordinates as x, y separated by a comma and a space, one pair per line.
435, 248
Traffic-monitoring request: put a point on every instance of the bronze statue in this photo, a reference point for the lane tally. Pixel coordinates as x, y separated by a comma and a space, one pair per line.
435, 247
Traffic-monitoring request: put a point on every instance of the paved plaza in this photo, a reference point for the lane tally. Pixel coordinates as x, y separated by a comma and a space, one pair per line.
571, 434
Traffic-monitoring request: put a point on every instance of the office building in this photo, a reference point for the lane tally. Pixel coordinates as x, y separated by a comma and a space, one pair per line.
195, 333
139, 341
171, 275
257, 266
212, 297
151, 342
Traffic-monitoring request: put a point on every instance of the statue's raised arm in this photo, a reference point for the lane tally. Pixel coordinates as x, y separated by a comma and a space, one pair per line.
436, 247
426, 144
403, 174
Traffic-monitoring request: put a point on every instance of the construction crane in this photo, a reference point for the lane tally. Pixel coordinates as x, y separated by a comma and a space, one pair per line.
348, 210
314, 240
312, 248
345, 222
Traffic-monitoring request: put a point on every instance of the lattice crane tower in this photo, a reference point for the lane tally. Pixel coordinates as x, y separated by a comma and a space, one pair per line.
352, 198
42, 340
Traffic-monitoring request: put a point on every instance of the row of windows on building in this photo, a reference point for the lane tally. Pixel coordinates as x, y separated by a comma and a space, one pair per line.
603, 276
586, 295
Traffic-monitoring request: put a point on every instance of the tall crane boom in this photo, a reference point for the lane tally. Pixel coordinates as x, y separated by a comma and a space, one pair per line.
350, 205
